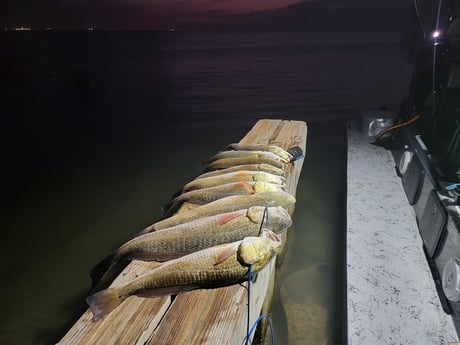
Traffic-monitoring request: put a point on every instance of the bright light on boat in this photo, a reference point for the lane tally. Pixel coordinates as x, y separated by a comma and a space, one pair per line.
436, 34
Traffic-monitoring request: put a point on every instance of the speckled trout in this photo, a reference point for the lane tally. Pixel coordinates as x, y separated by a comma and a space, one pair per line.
226, 204
213, 267
236, 176
195, 235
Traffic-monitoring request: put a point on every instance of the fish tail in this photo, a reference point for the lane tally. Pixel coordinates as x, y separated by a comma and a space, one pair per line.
99, 271
177, 193
171, 208
165, 209
103, 302
171, 204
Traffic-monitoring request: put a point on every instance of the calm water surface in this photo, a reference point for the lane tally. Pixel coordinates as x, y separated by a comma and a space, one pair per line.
100, 128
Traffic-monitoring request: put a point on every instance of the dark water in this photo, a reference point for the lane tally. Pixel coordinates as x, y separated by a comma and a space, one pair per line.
100, 128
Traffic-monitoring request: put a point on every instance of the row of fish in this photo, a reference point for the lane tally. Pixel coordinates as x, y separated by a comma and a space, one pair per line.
242, 207
208, 268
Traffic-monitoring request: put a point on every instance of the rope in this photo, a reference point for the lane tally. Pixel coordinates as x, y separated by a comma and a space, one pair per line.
270, 324
250, 331
249, 304
265, 216
452, 186
386, 130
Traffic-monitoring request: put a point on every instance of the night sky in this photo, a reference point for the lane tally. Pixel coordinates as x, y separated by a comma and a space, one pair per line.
209, 15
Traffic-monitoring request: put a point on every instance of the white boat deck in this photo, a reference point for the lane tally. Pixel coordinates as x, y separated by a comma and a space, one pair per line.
391, 295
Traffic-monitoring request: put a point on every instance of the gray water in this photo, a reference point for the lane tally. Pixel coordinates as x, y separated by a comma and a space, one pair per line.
100, 128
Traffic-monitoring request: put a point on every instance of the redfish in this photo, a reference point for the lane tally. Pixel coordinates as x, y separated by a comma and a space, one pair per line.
236, 176
227, 204
205, 195
195, 235
225, 159
261, 147
251, 167
209, 268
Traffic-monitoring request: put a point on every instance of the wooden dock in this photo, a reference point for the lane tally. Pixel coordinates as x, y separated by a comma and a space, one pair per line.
214, 316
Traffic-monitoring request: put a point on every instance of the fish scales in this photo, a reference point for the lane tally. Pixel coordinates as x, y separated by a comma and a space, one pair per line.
227, 204
261, 147
204, 232
229, 162
251, 167
200, 267
195, 269
205, 195
188, 237
185, 238
208, 268
255, 154
236, 176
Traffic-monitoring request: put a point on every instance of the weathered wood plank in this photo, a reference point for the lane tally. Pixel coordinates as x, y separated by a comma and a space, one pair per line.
208, 316
262, 132
140, 316
201, 316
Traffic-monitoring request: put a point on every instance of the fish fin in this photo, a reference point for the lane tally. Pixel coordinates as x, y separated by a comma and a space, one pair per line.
248, 187
99, 271
204, 168
231, 147
166, 207
107, 277
150, 228
224, 254
103, 302
226, 217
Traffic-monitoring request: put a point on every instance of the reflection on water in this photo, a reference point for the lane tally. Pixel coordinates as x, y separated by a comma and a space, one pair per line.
309, 304
305, 296
65, 225
58, 227
101, 129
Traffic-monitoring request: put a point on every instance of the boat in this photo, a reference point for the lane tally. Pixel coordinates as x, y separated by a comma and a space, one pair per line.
425, 144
